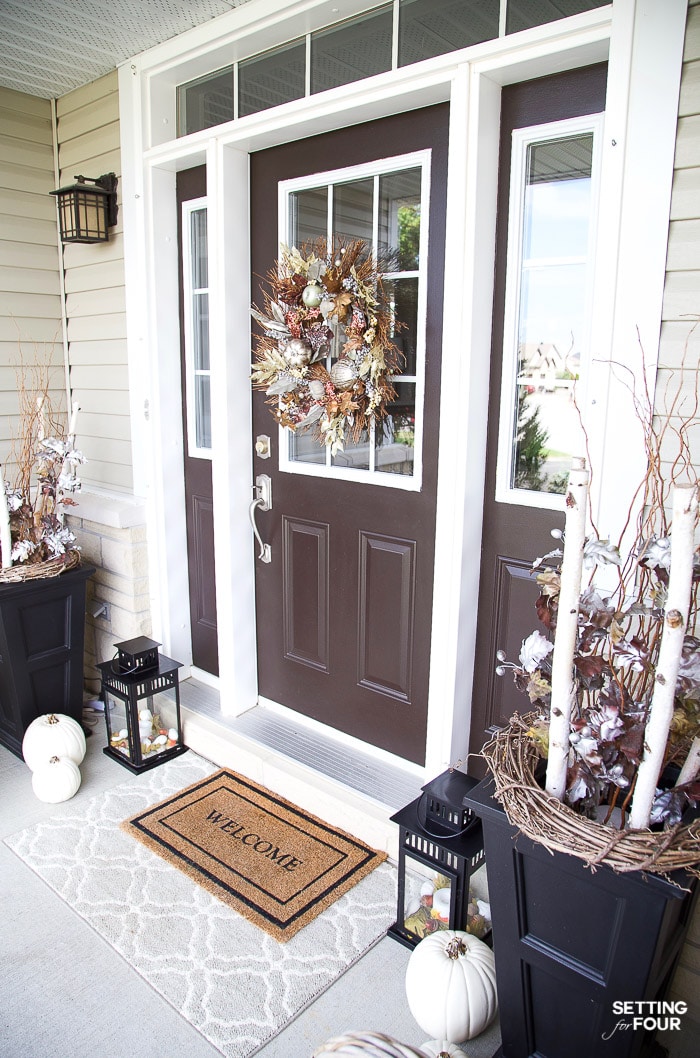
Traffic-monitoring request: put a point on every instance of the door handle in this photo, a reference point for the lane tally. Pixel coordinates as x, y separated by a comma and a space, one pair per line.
263, 500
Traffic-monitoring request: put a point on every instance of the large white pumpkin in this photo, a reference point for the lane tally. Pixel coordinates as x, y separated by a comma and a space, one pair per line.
53, 735
57, 779
451, 985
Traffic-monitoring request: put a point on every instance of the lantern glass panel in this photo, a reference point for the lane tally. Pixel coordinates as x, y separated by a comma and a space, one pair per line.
157, 725
429, 903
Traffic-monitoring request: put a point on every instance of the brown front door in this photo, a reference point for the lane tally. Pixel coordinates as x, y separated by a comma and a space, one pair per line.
196, 418
344, 608
515, 533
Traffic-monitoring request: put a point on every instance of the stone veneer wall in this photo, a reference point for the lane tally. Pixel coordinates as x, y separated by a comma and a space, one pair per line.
112, 537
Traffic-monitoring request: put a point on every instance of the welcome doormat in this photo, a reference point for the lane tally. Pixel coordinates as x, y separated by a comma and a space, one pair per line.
272, 862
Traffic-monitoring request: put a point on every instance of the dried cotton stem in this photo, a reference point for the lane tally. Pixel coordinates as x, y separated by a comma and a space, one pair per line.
563, 688
685, 509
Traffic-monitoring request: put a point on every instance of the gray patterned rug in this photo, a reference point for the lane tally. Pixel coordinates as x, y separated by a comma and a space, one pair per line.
232, 982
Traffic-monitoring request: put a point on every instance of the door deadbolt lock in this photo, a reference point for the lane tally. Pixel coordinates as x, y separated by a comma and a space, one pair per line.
262, 446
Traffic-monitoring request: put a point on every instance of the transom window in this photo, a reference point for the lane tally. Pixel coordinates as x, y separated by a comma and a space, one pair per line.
195, 275
388, 36
386, 205
551, 242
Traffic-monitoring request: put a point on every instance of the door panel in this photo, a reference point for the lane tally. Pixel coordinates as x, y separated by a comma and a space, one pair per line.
199, 506
344, 609
513, 535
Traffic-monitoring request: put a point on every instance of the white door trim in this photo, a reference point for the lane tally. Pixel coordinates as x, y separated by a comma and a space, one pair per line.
473, 89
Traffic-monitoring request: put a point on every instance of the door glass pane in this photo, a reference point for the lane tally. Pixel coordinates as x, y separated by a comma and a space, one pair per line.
395, 439
552, 328
433, 27
399, 218
402, 296
308, 216
352, 50
198, 256
352, 210
203, 410
355, 454
200, 332
270, 79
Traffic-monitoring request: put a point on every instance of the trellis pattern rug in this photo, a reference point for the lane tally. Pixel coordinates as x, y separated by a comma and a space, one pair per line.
235, 984
274, 863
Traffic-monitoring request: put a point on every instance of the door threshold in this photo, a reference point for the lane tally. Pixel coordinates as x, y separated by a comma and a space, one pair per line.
343, 785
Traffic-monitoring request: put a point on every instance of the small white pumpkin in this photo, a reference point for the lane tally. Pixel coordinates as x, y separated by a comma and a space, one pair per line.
366, 1045
441, 1049
58, 779
53, 735
451, 985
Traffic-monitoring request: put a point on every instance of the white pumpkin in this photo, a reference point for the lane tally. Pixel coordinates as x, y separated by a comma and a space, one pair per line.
53, 735
366, 1045
58, 779
451, 985
441, 1049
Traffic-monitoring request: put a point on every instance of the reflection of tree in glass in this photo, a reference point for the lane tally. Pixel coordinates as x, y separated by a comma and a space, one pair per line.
409, 236
531, 453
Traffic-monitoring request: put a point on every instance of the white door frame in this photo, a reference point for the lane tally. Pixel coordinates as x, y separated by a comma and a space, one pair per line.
630, 278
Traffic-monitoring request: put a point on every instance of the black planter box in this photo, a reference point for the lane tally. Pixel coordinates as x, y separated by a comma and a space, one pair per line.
573, 945
42, 638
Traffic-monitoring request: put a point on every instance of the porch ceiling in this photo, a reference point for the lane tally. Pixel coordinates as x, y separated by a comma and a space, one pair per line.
50, 47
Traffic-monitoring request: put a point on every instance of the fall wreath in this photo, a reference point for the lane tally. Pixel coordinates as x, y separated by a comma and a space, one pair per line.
326, 356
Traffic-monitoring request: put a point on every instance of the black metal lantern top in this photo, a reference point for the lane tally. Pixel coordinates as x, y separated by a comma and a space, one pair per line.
87, 209
136, 655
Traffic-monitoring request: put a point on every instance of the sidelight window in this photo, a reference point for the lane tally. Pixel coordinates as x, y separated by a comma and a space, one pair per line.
551, 240
385, 205
195, 274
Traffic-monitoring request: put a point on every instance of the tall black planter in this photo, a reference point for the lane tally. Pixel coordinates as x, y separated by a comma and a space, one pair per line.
571, 943
42, 638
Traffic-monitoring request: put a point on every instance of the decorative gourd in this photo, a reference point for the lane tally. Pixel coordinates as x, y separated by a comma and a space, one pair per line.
451, 985
366, 1045
441, 1049
57, 779
53, 735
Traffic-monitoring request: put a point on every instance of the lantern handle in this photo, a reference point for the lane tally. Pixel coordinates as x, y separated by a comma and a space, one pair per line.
473, 819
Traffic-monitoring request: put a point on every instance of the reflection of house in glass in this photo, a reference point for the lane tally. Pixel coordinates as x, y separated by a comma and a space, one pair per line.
543, 367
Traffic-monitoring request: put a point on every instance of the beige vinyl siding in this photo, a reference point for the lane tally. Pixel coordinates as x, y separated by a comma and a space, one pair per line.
679, 352
679, 358
30, 297
88, 144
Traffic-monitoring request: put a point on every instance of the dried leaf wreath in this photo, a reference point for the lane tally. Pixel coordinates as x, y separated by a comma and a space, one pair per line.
326, 357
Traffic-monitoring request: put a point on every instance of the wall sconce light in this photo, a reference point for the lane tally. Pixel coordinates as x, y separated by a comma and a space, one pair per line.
87, 209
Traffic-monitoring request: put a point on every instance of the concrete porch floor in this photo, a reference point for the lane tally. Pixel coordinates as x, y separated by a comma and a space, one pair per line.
68, 994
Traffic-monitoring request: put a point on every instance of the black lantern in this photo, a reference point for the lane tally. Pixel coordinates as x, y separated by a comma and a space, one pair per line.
87, 209
141, 696
440, 846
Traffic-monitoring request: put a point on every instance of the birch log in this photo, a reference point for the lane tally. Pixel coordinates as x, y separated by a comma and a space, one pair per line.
5, 535
563, 687
685, 509
691, 766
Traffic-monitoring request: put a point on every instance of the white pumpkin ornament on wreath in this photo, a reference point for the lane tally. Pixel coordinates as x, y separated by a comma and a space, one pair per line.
451, 985
56, 780
53, 735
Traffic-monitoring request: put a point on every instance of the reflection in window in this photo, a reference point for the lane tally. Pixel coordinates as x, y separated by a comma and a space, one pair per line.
384, 210
196, 302
272, 78
554, 282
